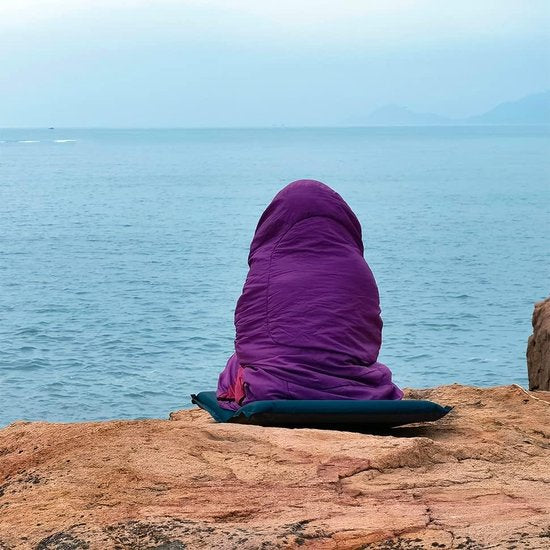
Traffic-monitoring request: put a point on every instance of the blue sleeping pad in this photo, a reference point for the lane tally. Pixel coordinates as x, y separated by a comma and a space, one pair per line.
331, 414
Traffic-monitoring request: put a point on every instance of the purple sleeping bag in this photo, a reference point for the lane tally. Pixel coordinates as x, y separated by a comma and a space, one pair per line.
308, 321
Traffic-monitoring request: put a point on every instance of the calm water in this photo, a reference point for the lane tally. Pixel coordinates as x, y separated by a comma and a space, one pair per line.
122, 254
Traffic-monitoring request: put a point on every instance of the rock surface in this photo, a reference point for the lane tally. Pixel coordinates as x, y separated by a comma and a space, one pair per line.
479, 478
538, 348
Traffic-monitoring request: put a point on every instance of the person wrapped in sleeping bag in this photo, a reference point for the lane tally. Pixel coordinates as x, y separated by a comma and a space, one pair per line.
308, 321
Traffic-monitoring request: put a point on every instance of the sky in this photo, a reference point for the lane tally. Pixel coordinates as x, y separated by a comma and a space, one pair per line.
212, 63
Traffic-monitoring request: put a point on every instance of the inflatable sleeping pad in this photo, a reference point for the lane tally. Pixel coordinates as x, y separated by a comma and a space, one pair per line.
329, 414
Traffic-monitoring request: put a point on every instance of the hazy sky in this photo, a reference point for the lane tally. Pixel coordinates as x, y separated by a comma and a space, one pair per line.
262, 62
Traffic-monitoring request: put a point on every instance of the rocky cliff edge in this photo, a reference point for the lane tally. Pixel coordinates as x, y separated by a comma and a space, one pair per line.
479, 478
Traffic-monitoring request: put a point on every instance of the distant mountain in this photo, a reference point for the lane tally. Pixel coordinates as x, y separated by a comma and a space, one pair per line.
532, 109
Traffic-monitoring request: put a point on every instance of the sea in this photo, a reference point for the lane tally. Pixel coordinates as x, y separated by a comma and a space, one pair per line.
123, 252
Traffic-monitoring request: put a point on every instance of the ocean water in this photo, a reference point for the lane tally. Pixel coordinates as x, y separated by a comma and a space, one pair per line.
122, 253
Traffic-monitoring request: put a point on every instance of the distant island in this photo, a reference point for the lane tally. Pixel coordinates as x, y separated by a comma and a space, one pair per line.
532, 109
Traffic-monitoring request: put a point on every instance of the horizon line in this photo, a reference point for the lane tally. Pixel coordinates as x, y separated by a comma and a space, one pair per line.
273, 126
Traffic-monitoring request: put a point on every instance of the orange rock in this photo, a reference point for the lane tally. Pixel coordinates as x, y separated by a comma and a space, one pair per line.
538, 348
478, 478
